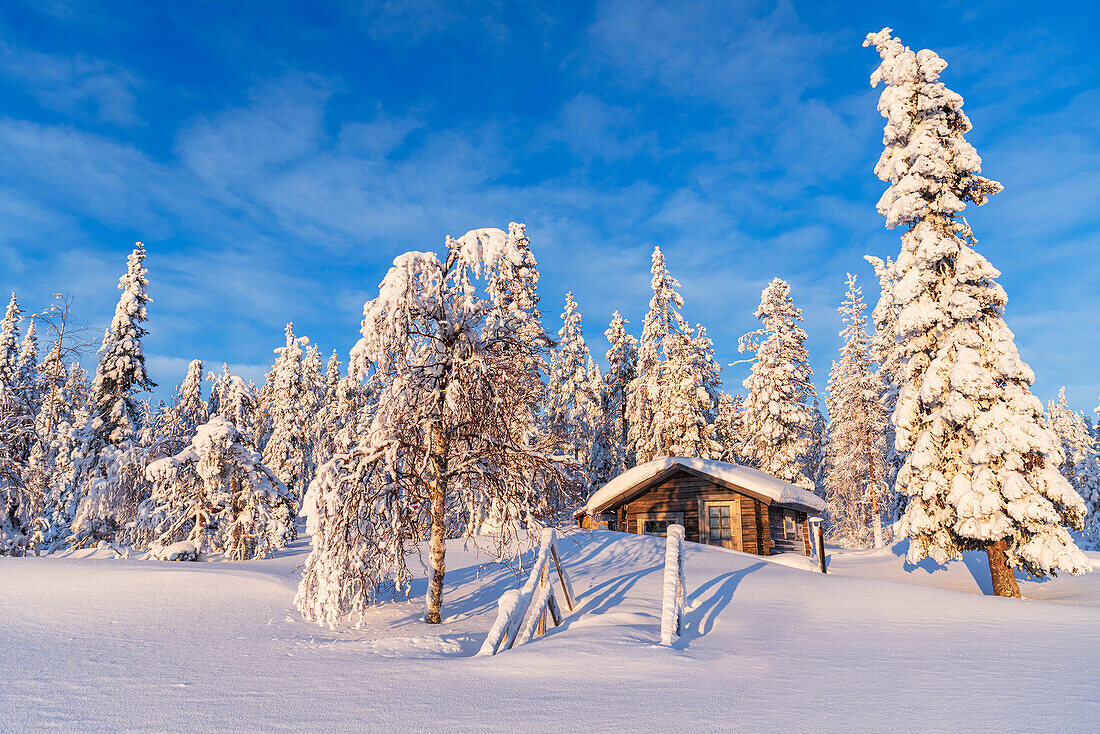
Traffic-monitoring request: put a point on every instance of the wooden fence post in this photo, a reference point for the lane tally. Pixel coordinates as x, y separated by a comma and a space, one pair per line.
523, 613
819, 542
672, 605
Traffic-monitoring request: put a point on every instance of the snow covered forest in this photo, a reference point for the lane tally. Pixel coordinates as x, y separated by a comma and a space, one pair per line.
463, 412
425, 526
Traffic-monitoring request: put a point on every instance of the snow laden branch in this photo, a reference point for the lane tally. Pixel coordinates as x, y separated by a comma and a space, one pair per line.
449, 446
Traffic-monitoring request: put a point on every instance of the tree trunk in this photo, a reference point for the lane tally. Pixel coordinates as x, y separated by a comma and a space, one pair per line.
236, 542
876, 516
1004, 581
436, 545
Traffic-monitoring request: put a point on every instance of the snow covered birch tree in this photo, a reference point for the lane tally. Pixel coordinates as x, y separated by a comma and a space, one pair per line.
457, 347
777, 422
855, 456
727, 426
981, 467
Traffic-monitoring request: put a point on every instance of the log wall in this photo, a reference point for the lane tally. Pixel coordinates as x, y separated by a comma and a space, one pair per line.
687, 494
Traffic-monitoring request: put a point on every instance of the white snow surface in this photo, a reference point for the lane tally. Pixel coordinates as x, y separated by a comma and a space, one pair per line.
97, 643
751, 479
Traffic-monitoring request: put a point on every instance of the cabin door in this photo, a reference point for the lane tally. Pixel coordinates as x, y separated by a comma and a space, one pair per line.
721, 523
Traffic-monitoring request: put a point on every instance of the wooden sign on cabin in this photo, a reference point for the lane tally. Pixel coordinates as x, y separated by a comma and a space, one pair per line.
718, 503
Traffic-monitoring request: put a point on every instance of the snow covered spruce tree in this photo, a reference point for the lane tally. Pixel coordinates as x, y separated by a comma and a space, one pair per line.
664, 403
456, 347
26, 375
110, 486
622, 368
572, 406
217, 494
328, 422
777, 421
981, 467
727, 426
611, 453
236, 400
9, 343
1081, 467
20, 498
690, 395
884, 352
191, 411
855, 457
286, 398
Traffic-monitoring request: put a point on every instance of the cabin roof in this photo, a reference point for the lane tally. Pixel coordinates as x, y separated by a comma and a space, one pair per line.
636, 481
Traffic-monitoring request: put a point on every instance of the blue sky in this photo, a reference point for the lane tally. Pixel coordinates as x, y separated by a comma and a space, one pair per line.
275, 157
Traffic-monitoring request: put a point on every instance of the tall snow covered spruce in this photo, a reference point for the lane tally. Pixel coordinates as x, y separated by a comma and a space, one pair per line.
612, 450
981, 467
109, 498
572, 405
777, 422
20, 497
884, 353
286, 400
855, 456
671, 401
9, 343
451, 446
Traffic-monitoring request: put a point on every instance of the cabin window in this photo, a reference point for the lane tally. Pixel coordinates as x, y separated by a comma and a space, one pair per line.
720, 523
658, 524
790, 530
719, 520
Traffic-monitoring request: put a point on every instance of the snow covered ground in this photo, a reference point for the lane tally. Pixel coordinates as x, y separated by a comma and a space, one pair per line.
96, 643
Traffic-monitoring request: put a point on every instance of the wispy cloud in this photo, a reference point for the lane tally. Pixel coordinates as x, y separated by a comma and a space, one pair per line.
77, 85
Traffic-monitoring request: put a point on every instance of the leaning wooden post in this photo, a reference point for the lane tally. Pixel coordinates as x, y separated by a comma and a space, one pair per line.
819, 541
566, 587
544, 581
672, 606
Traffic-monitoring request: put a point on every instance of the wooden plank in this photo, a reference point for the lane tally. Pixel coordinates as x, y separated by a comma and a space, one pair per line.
566, 587
555, 610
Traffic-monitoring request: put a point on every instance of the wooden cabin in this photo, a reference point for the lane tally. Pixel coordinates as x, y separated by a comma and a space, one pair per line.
718, 503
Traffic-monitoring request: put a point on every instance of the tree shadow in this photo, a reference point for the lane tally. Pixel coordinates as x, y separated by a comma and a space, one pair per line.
976, 562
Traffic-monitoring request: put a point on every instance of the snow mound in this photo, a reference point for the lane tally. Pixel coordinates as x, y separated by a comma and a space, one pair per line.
185, 550
777, 490
795, 560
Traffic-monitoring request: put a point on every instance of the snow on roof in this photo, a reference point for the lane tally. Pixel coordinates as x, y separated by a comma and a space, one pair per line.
754, 480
